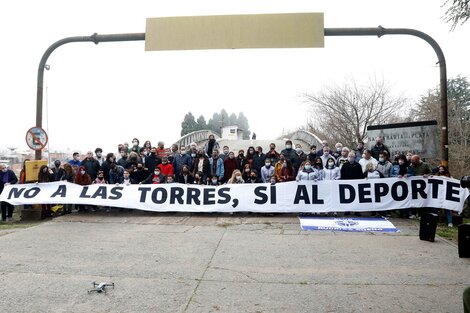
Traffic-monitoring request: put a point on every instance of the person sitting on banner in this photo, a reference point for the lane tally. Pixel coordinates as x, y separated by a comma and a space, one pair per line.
7, 177
331, 171
185, 176
236, 178
308, 172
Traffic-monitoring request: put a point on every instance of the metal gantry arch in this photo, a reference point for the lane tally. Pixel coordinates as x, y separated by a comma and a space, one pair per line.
377, 31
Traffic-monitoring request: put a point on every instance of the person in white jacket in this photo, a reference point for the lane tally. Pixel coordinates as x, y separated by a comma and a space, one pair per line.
331, 171
308, 172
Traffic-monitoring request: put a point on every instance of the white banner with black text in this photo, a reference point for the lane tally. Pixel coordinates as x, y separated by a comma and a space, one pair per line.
305, 196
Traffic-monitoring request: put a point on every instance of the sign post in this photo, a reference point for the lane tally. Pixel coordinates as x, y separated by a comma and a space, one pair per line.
36, 138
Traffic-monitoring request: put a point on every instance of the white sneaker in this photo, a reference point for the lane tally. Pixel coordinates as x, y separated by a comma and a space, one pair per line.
412, 217
450, 225
9, 219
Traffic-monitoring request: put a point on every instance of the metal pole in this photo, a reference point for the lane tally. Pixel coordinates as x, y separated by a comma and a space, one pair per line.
42, 64
379, 32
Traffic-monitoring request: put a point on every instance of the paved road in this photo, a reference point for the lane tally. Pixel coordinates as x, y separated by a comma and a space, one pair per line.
222, 263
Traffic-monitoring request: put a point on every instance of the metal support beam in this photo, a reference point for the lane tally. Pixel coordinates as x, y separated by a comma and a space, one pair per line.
95, 38
378, 31
381, 31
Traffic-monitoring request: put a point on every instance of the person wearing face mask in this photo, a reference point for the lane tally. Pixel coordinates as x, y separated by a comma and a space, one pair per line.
253, 177
258, 159
236, 178
58, 171
83, 179
210, 145
139, 174
199, 179
267, 171
246, 172
384, 166
442, 170
165, 167
7, 177
273, 154
91, 165
250, 155
289, 152
185, 176
214, 181
155, 178
409, 154
301, 157
399, 168
153, 160
308, 172
287, 172
242, 161
75, 159
230, 165
135, 145
216, 165
201, 164
180, 159
351, 169
100, 178
99, 156
338, 150
331, 171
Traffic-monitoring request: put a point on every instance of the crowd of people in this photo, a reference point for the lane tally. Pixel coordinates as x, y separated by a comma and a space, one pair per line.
212, 165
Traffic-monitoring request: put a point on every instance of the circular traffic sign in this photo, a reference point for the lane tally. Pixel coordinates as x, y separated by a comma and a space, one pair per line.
36, 138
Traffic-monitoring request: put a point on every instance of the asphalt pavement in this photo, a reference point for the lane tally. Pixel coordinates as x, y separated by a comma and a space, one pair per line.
175, 262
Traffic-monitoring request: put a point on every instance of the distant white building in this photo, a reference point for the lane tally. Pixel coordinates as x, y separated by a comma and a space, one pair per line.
232, 133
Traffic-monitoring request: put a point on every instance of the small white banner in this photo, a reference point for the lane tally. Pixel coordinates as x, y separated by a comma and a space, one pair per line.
348, 224
308, 196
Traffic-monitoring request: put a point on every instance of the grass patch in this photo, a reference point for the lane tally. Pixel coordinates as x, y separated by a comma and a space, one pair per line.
225, 225
450, 233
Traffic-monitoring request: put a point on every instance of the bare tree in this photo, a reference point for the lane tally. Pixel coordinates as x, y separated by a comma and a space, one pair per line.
458, 12
345, 111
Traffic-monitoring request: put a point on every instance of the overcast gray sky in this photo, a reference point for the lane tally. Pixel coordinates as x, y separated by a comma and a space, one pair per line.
107, 94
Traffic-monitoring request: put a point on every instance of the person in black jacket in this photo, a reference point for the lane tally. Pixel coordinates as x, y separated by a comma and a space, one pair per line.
91, 165
351, 169
152, 161
7, 177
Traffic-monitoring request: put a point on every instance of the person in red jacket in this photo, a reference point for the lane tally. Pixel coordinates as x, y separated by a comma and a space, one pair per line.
165, 167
